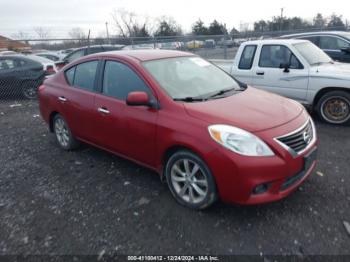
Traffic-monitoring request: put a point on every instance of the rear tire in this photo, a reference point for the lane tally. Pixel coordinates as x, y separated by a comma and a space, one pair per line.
64, 136
190, 180
30, 90
334, 108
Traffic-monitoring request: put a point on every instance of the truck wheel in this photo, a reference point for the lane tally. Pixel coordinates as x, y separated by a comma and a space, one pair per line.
190, 180
334, 107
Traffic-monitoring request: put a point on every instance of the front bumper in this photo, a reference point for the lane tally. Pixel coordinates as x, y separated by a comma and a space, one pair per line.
238, 177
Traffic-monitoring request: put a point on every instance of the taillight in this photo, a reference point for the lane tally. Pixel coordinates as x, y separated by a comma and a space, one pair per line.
41, 88
50, 70
60, 65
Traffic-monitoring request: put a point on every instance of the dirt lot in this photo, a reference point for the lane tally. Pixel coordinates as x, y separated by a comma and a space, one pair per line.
89, 201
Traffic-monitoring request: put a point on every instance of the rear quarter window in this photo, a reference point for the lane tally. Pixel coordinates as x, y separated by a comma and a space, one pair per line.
70, 76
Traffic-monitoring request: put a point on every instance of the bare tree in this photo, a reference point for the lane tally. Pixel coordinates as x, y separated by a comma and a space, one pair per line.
20, 35
77, 33
42, 32
129, 24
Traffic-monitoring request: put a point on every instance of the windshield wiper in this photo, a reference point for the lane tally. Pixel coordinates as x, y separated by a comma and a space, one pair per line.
220, 92
189, 99
321, 63
207, 96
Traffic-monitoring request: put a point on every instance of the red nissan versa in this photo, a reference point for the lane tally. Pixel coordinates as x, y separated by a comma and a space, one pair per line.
206, 134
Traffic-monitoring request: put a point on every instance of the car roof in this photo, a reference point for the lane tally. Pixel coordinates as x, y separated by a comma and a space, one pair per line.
14, 56
39, 59
24, 57
46, 53
105, 46
276, 41
339, 33
144, 55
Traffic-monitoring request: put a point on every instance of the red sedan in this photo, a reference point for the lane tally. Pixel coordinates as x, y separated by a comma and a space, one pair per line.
207, 135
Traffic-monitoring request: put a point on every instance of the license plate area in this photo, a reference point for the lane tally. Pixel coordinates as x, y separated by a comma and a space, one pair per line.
308, 161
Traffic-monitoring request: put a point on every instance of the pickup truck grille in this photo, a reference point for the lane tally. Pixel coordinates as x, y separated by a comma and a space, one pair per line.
300, 139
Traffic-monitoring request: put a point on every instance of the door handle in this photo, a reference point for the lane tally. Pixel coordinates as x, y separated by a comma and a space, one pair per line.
102, 110
62, 99
260, 73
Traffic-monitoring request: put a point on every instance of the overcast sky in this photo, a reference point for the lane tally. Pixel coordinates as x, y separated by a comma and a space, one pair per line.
62, 15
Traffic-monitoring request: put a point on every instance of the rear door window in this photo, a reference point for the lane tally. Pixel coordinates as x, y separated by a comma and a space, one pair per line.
332, 43
313, 39
247, 57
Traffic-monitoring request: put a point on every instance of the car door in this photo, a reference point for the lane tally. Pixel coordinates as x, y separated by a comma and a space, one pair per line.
76, 98
271, 74
333, 46
128, 130
244, 71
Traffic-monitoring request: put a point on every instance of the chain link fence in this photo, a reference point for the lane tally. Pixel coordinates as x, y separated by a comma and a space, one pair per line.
25, 63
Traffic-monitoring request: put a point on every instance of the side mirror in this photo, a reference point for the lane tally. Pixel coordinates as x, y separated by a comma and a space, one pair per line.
285, 67
138, 99
346, 50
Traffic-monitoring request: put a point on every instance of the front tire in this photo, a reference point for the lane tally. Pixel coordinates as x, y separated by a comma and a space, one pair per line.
334, 107
190, 180
64, 136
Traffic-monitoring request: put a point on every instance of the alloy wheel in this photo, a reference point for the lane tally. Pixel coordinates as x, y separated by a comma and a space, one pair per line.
62, 132
189, 181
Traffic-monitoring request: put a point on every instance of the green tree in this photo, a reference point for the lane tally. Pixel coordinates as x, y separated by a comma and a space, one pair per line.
234, 31
216, 28
319, 21
167, 26
198, 28
260, 26
336, 22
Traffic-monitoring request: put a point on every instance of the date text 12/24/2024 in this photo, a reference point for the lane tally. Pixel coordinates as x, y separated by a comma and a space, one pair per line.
173, 258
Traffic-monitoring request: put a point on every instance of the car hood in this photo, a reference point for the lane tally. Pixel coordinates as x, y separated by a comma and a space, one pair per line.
253, 110
336, 70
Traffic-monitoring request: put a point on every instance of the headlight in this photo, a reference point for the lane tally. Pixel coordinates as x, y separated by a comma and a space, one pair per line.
239, 141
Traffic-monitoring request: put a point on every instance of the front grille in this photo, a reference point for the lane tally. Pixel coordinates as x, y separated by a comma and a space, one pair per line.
300, 139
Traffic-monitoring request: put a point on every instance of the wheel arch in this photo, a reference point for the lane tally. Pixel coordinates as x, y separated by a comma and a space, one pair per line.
51, 118
168, 152
325, 90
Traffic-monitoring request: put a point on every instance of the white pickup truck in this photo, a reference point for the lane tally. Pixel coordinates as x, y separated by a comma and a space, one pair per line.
298, 70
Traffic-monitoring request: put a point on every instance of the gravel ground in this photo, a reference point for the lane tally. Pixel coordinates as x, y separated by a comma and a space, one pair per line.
89, 201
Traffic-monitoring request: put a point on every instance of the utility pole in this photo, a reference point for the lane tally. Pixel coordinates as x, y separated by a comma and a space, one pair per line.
281, 19
88, 42
109, 41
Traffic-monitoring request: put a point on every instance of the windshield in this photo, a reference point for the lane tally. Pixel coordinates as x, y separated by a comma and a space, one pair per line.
184, 77
312, 54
